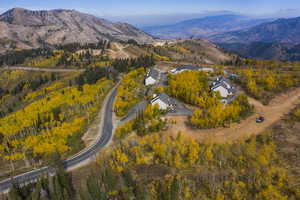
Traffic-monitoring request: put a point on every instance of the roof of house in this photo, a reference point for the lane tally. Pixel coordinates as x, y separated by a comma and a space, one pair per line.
153, 73
227, 83
207, 69
221, 79
164, 98
191, 67
223, 82
187, 67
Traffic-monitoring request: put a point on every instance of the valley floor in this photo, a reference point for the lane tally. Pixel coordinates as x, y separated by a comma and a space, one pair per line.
278, 107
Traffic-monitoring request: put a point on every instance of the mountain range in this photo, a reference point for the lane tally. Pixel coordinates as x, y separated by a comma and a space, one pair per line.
266, 38
250, 37
279, 31
149, 20
204, 27
21, 28
277, 40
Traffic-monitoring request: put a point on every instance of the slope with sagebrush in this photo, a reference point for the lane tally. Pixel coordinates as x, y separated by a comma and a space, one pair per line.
197, 50
30, 29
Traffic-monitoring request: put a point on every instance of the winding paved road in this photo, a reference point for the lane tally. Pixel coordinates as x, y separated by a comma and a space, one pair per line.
105, 135
40, 69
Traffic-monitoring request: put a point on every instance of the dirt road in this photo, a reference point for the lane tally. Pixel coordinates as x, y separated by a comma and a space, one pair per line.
41, 69
118, 51
278, 107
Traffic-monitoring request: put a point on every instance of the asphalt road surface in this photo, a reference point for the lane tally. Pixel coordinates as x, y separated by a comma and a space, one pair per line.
105, 135
180, 110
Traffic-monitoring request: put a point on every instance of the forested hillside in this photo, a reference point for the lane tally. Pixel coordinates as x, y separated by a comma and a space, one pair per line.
49, 120
263, 79
130, 92
105, 53
266, 51
161, 167
47, 113
70, 55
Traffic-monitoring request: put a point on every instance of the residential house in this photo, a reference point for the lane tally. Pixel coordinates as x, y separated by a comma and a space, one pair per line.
223, 86
163, 101
152, 77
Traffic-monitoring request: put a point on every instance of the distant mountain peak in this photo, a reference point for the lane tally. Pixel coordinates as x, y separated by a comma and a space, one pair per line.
17, 9
22, 16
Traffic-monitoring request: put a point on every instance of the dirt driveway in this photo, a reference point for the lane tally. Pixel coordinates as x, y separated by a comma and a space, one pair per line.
278, 107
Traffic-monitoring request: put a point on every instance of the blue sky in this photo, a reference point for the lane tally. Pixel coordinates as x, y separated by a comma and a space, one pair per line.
150, 7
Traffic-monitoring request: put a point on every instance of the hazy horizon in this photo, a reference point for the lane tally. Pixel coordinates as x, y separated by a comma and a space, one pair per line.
141, 13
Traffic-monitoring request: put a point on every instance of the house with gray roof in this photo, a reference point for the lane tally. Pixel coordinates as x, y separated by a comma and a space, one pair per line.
163, 101
223, 86
152, 77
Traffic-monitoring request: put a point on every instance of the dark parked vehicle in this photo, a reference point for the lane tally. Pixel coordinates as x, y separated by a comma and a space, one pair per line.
260, 119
